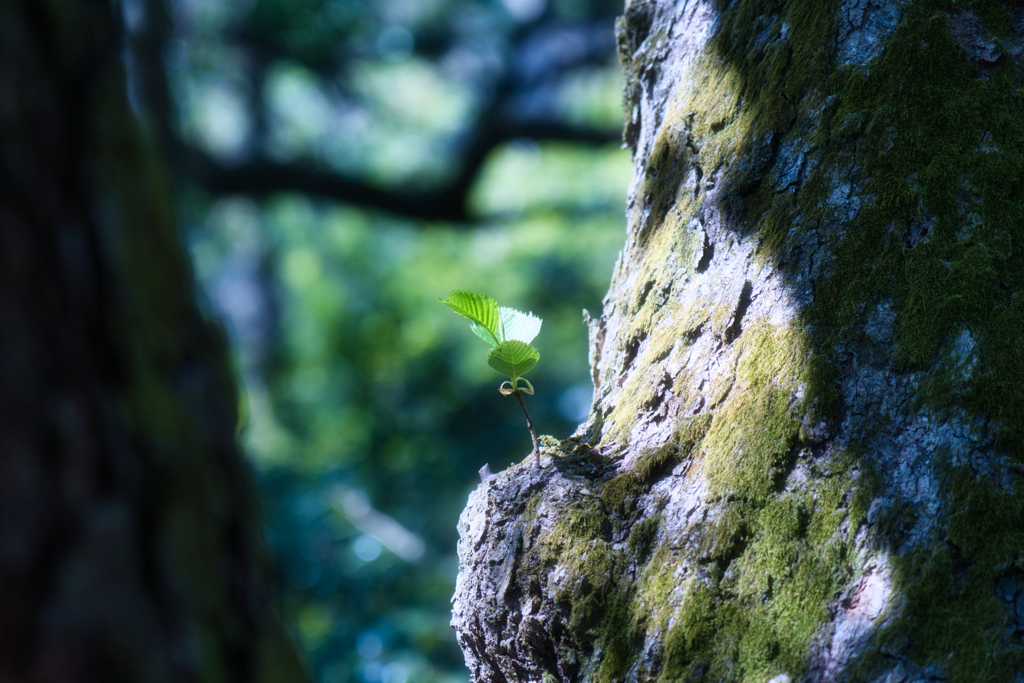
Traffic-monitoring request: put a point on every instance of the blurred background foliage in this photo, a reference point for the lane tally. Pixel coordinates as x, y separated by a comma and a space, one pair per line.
340, 165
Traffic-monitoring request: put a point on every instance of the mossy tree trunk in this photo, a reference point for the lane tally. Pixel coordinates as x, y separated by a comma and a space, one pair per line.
129, 537
808, 426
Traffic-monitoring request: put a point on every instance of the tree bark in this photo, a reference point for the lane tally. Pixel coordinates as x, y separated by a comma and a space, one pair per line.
804, 457
130, 546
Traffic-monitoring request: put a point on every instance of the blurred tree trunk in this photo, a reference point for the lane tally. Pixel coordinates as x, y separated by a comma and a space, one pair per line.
130, 544
807, 425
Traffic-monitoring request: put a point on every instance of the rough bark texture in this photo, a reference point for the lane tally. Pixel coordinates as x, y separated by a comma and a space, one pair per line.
809, 380
129, 539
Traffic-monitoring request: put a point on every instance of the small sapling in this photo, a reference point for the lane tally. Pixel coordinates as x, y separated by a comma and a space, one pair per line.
509, 332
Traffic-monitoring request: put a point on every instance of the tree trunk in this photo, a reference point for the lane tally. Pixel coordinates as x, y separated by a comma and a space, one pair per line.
807, 424
129, 537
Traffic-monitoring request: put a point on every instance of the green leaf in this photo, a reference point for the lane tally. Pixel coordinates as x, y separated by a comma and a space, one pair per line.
481, 309
513, 358
518, 325
485, 334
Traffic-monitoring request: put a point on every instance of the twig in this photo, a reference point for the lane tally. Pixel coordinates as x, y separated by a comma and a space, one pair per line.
529, 423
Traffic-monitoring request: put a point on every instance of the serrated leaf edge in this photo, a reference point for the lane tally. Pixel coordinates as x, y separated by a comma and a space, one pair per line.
496, 334
510, 316
495, 357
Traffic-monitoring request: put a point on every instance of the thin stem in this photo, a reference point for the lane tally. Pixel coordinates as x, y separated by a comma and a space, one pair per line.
533, 434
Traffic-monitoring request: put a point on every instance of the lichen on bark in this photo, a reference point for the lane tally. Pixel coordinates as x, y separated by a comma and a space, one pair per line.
808, 381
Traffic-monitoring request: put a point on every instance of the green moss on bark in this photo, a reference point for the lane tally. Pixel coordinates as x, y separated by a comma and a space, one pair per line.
751, 442
774, 571
917, 191
951, 615
768, 570
934, 147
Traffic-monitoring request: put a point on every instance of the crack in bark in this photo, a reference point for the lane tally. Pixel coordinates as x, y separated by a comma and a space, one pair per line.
735, 328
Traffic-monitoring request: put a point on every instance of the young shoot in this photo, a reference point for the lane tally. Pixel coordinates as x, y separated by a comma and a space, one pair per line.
509, 332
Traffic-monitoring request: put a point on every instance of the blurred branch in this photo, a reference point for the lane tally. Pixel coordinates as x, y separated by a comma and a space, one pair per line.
261, 177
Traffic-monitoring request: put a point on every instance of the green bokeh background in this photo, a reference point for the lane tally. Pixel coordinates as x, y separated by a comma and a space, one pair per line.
363, 398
